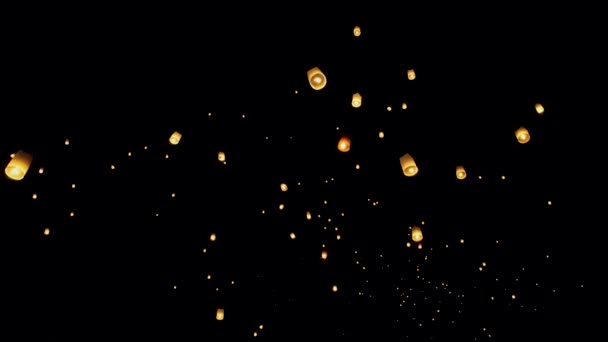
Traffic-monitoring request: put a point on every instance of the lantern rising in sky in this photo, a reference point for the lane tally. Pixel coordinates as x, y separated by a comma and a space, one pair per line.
18, 166
221, 156
411, 75
522, 134
408, 165
175, 138
344, 144
416, 234
539, 108
356, 101
219, 314
460, 172
316, 78
357, 31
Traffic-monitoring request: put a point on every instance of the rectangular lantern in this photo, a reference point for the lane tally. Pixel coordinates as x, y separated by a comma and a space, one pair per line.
175, 138
18, 166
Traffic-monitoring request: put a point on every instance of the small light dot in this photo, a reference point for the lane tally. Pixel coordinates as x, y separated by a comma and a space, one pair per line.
357, 167
461, 240
337, 128
212, 237
292, 236
479, 177
67, 142
166, 156
175, 287
71, 214
261, 326
295, 91
408, 244
34, 196
41, 170
255, 334
112, 167
173, 195
381, 135
389, 108
73, 186
129, 154
12, 155
281, 206
513, 296
548, 202
503, 177
334, 288
338, 237
208, 276
404, 106
209, 114
47, 231
145, 147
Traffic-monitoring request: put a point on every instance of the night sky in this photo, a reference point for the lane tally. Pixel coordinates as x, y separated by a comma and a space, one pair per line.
115, 232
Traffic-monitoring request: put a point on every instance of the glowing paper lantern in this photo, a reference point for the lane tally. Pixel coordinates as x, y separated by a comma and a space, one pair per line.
283, 187
357, 31
323, 255
411, 75
356, 102
219, 315
522, 134
408, 165
416, 234
316, 78
221, 156
539, 108
460, 172
175, 138
18, 166
344, 144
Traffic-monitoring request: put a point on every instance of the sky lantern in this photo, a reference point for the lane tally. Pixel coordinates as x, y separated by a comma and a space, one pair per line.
219, 314
284, 187
344, 144
408, 165
522, 134
411, 75
18, 166
323, 255
175, 138
221, 156
316, 78
416, 234
460, 172
357, 31
356, 101
539, 108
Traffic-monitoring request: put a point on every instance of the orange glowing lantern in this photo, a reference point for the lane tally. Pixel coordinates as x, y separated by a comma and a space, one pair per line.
356, 101
460, 172
357, 31
323, 255
219, 314
411, 75
539, 108
18, 166
522, 134
416, 234
408, 165
344, 144
221, 156
175, 138
316, 78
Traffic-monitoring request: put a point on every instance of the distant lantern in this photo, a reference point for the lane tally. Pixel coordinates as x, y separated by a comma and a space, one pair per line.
283, 187
175, 138
416, 234
18, 166
334, 288
539, 108
408, 165
316, 78
221, 156
357, 31
213, 237
292, 235
411, 75
308, 215
404, 106
219, 314
356, 102
323, 255
460, 172
47, 231
344, 144
522, 134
